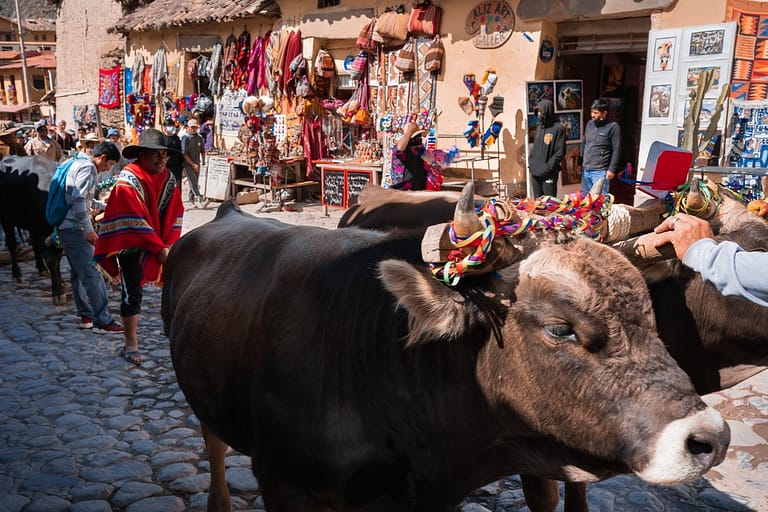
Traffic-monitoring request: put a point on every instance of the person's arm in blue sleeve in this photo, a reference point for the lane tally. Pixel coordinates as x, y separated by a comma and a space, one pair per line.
725, 265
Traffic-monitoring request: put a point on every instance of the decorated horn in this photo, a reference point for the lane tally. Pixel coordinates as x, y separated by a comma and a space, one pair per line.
695, 199
597, 187
465, 221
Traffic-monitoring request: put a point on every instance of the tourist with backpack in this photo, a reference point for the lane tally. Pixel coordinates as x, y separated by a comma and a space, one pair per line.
69, 210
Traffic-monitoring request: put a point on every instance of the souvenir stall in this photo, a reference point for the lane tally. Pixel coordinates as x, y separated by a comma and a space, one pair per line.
395, 70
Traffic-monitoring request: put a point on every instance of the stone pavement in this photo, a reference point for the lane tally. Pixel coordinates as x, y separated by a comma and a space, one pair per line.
81, 430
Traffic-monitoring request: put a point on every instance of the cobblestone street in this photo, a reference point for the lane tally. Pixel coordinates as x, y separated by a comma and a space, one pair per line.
84, 431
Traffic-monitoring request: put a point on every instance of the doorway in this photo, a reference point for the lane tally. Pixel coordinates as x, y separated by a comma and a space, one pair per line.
609, 56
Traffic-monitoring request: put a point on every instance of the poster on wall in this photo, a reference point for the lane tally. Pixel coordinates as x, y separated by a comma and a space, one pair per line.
570, 171
537, 91
569, 95
229, 115
659, 103
571, 121
664, 49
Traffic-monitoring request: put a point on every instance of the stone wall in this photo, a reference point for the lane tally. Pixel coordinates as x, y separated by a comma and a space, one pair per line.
83, 46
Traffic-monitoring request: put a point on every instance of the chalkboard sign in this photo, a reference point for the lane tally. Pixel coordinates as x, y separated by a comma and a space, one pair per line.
356, 180
333, 188
216, 178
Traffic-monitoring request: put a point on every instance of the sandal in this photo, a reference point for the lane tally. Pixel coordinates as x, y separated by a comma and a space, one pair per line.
133, 356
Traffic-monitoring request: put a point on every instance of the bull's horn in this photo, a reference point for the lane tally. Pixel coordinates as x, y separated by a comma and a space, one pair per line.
597, 187
695, 199
465, 221
642, 249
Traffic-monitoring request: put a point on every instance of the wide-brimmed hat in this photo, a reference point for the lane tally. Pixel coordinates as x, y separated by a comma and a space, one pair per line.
150, 138
7, 128
91, 137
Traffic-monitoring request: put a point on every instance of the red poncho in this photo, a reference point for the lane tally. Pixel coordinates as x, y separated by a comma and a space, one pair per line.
144, 212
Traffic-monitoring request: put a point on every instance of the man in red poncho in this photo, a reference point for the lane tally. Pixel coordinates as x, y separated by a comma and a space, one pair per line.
141, 222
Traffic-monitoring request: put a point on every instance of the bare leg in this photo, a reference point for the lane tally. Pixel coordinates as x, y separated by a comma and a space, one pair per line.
131, 324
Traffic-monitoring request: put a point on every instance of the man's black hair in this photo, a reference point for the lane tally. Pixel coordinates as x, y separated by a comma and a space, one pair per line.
107, 148
599, 104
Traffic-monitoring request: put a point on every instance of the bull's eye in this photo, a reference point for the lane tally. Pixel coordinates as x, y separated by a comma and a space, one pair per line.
561, 332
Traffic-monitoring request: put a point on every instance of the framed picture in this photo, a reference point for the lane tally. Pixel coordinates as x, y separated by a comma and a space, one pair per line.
707, 108
659, 104
692, 77
570, 172
664, 50
533, 122
569, 95
708, 41
571, 121
613, 82
537, 91
709, 153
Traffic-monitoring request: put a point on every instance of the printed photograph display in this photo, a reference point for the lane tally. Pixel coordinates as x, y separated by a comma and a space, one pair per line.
664, 53
660, 101
569, 95
537, 91
570, 172
571, 121
692, 77
707, 42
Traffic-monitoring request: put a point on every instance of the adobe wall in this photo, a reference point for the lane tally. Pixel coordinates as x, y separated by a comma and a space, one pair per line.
84, 46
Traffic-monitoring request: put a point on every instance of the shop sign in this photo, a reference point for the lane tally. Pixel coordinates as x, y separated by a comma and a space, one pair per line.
493, 22
547, 50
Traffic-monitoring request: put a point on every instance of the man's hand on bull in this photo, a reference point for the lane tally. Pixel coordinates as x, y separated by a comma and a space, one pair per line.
682, 231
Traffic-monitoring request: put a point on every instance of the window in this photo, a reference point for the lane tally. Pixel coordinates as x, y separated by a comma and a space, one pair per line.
321, 4
38, 82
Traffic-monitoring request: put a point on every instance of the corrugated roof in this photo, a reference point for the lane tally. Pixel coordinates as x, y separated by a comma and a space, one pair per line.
162, 14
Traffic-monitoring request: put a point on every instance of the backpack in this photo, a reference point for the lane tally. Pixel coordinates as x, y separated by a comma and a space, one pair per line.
56, 206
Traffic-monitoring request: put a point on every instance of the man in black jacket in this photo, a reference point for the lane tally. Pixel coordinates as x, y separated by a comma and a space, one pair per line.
600, 149
547, 152
175, 160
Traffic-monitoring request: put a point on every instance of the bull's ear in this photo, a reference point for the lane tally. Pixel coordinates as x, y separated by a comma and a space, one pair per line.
435, 311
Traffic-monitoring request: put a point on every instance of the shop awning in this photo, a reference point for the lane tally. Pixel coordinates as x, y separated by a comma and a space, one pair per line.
626, 35
12, 109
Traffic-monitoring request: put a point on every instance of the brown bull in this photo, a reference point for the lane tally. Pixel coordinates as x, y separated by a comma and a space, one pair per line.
358, 382
718, 341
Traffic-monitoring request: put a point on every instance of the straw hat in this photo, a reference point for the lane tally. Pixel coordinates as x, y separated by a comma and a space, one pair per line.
91, 137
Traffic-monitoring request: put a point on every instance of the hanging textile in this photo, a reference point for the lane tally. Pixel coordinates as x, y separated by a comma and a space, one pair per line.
255, 64
214, 83
240, 78
146, 85
315, 145
270, 53
109, 87
172, 83
137, 71
159, 72
293, 48
229, 61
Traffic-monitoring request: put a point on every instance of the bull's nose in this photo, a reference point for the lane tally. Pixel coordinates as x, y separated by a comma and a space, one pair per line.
709, 448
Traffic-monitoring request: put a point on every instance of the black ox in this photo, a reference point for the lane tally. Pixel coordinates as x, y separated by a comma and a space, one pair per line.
24, 183
358, 382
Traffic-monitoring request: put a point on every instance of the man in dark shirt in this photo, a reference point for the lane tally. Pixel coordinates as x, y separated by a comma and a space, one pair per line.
547, 152
175, 162
600, 149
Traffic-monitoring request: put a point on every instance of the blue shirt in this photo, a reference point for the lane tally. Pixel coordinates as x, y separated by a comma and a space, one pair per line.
731, 269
